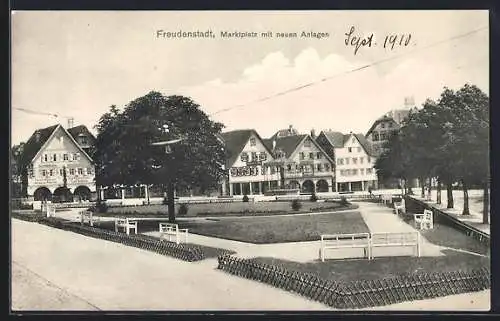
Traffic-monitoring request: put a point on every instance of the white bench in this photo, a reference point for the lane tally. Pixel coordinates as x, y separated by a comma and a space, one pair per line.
126, 224
395, 239
170, 229
344, 241
424, 220
400, 207
88, 217
386, 198
50, 210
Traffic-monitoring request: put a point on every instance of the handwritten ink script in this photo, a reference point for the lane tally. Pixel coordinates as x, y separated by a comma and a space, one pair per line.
353, 39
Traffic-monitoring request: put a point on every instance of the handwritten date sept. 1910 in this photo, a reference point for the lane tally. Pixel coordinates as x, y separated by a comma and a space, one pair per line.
390, 41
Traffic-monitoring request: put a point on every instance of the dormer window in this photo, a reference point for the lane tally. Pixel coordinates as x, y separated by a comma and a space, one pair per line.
307, 143
82, 139
252, 141
244, 157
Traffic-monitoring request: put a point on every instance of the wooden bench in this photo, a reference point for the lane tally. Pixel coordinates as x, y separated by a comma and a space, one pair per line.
50, 210
395, 239
87, 217
386, 199
344, 241
173, 230
424, 221
400, 207
126, 224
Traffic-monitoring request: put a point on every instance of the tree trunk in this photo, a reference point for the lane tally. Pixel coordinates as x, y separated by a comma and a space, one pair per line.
438, 192
466, 199
429, 189
422, 187
171, 202
449, 193
486, 203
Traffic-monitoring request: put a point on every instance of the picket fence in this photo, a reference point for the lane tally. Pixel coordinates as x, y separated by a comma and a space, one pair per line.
359, 294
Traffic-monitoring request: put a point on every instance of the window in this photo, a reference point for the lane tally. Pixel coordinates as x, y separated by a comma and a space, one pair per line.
80, 171
327, 167
382, 125
61, 172
51, 172
45, 158
361, 160
252, 142
354, 172
83, 140
65, 157
354, 160
349, 149
390, 125
54, 157
353, 140
311, 155
375, 137
342, 172
359, 149
263, 156
319, 155
44, 172
289, 167
362, 171
244, 157
72, 171
347, 161
77, 156
307, 143
273, 170
302, 155
340, 161
254, 156
368, 160
319, 168
368, 171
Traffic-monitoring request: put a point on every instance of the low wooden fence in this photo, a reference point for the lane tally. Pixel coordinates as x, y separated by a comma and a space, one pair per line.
363, 293
417, 206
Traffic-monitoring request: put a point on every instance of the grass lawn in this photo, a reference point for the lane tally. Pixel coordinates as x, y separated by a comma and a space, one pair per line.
383, 267
279, 229
261, 230
229, 209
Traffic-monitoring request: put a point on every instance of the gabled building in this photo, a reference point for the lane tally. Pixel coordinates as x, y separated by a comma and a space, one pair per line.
247, 156
301, 162
55, 166
354, 159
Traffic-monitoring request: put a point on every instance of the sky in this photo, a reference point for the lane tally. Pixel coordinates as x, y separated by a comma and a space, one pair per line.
79, 63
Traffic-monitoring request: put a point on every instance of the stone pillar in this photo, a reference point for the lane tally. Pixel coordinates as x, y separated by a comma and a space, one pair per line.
338, 187
330, 188
350, 187
101, 193
251, 188
231, 189
241, 189
362, 185
122, 189
146, 192
260, 188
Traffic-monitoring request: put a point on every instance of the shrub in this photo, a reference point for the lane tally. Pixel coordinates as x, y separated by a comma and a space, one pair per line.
245, 198
296, 205
313, 198
165, 201
183, 209
343, 201
101, 206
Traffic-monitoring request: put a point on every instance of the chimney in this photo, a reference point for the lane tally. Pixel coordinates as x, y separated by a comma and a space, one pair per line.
290, 129
70, 122
313, 133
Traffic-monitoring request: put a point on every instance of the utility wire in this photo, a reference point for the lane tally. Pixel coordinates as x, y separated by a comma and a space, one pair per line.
349, 71
34, 112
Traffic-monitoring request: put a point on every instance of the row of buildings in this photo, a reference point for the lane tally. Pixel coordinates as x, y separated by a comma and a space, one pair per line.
59, 161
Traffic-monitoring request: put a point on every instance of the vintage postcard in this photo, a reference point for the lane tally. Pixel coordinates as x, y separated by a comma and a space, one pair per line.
250, 161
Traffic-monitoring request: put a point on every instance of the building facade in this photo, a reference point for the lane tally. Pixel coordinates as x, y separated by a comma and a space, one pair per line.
246, 164
354, 159
302, 163
56, 167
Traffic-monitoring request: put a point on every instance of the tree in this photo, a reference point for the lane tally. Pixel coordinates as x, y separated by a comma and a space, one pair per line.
125, 155
467, 136
17, 169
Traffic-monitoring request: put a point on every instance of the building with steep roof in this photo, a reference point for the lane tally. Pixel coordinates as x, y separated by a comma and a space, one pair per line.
56, 167
353, 157
302, 163
246, 158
